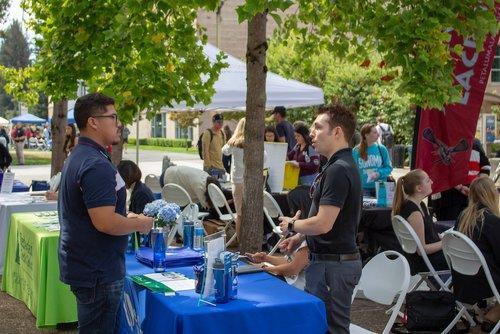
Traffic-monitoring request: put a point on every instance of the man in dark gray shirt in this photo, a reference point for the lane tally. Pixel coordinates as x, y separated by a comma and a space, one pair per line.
285, 130
330, 230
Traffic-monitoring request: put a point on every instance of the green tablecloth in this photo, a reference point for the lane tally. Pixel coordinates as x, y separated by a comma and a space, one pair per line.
31, 271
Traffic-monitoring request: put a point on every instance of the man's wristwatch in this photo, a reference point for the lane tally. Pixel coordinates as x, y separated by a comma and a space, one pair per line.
291, 224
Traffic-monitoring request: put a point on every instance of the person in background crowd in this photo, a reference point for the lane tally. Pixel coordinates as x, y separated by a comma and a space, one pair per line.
334, 261
212, 141
411, 190
125, 134
480, 221
226, 159
304, 156
141, 194
46, 132
270, 134
19, 137
4, 134
27, 132
385, 134
193, 180
284, 128
94, 229
70, 139
448, 204
372, 159
5, 157
234, 148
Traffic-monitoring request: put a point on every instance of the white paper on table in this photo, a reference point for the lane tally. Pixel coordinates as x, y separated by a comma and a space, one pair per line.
174, 281
7, 183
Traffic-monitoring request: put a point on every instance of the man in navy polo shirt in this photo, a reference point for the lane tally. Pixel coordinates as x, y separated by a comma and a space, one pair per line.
94, 228
335, 266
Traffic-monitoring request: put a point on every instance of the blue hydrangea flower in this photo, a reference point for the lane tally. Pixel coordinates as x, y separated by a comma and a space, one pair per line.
169, 213
152, 209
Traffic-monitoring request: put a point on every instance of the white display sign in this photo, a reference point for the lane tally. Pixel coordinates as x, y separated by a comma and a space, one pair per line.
7, 183
276, 157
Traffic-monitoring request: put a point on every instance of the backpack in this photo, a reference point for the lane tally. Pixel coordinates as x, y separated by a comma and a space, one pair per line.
387, 137
200, 143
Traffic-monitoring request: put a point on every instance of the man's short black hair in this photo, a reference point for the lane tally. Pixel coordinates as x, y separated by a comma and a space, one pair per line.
280, 110
90, 105
338, 115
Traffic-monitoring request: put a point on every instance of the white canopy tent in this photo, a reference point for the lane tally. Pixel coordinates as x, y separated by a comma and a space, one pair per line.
231, 89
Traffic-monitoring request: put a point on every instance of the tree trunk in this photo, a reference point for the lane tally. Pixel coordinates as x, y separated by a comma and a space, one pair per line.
58, 127
252, 215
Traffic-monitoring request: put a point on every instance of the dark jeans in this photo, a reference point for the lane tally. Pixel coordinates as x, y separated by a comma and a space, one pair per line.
333, 282
98, 307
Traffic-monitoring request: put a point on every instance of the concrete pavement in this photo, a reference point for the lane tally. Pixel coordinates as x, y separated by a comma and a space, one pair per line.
150, 162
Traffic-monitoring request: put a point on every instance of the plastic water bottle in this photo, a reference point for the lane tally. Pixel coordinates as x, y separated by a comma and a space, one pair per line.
199, 233
159, 257
381, 195
220, 282
234, 276
187, 236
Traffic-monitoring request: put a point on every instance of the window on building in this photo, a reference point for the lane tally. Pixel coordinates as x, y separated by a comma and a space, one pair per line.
183, 133
495, 71
158, 126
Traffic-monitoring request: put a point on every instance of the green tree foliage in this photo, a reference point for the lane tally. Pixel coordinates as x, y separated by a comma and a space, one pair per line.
362, 88
14, 53
145, 54
411, 36
4, 5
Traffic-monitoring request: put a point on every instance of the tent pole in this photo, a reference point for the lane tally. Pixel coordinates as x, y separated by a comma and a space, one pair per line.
137, 138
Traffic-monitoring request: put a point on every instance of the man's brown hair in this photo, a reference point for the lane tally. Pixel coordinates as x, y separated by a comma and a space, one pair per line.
338, 115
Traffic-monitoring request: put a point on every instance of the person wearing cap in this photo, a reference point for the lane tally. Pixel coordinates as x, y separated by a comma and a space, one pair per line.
284, 128
212, 141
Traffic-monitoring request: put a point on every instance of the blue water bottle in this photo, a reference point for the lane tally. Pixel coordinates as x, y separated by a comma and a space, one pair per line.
199, 233
159, 257
381, 195
187, 236
234, 276
220, 282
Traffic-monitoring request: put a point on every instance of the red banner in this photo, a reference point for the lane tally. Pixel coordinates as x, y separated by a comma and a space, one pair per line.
444, 137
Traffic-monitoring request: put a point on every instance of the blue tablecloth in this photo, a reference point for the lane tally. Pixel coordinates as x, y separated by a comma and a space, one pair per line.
19, 187
176, 257
265, 304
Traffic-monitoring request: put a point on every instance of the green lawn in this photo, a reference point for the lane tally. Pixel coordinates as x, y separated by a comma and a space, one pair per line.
192, 150
32, 157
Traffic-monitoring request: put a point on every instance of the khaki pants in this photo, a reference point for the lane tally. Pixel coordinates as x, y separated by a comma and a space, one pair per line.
20, 152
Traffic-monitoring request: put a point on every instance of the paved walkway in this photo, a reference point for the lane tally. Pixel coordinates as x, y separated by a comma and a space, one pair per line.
150, 162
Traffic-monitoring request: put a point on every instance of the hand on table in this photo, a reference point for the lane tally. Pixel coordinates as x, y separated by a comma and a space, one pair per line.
51, 195
256, 257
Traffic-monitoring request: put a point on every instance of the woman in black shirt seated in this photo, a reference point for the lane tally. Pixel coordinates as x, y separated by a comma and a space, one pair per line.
480, 221
141, 194
411, 189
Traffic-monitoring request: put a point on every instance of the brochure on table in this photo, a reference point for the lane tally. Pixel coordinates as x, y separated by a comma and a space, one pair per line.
7, 183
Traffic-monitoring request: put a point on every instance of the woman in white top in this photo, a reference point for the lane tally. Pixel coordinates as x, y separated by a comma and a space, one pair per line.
234, 147
290, 267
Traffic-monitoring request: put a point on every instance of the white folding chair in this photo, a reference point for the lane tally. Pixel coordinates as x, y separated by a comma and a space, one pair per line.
32, 142
381, 281
190, 212
466, 258
219, 200
153, 182
174, 193
272, 211
411, 243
